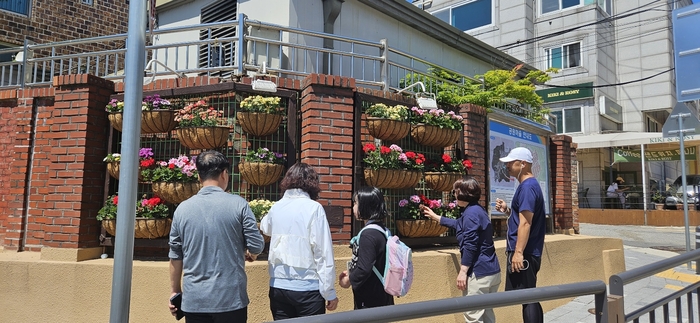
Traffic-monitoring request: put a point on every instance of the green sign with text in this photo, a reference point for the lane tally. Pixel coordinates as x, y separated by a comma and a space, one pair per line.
576, 91
628, 155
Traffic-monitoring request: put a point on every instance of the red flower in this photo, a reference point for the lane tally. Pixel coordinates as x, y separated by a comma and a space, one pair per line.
171, 166
424, 199
152, 202
467, 164
369, 147
115, 200
410, 154
446, 158
419, 161
147, 162
421, 156
385, 150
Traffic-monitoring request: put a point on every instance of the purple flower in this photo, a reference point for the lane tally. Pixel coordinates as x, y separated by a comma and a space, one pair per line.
262, 156
145, 153
278, 155
403, 158
403, 203
414, 199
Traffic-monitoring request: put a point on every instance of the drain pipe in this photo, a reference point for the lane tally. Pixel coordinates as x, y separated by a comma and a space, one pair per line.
331, 10
28, 178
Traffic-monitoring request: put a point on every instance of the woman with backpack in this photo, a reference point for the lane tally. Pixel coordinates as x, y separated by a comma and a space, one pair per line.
480, 272
368, 251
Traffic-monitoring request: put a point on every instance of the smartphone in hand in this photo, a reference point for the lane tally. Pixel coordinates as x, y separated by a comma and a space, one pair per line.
176, 301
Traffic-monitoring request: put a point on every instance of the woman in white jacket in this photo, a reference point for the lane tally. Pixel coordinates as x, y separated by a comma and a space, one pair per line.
300, 261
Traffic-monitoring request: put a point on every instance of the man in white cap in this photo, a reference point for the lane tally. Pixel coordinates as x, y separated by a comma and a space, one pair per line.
526, 229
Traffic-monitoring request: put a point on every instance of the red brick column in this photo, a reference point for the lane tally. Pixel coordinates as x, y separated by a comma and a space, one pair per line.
78, 142
8, 123
560, 147
475, 144
574, 187
327, 144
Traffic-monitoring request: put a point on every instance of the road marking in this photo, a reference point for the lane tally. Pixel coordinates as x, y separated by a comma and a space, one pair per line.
672, 274
673, 287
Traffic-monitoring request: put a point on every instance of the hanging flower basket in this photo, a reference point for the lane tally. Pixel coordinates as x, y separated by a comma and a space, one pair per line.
441, 181
392, 178
175, 192
259, 124
153, 121
419, 228
386, 129
260, 174
144, 228
113, 170
433, 136
203, 137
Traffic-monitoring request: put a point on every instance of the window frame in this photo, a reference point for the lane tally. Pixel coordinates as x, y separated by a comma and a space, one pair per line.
462, 3
563, 118
29, 10
539, 10
547, 50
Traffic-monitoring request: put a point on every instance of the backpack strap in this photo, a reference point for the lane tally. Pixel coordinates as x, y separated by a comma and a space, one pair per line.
387, 233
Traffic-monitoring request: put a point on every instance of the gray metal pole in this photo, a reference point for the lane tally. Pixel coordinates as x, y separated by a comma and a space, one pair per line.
681, 134
697, 246
131, 131
644, 186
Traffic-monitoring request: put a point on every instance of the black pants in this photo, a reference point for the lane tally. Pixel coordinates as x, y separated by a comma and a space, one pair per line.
286, 304
237, 316
532, 312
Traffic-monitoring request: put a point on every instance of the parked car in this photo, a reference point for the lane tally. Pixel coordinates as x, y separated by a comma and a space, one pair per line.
692, 189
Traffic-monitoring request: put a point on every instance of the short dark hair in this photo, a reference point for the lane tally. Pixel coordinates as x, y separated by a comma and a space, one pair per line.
467, 189
303, 176
370, 203
210, 164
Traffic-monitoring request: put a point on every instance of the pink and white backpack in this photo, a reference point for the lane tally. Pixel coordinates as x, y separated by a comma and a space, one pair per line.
398, 270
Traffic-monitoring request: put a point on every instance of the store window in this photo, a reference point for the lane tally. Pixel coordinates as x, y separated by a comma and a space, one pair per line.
556, 5
566, 56
467, 16
569, 120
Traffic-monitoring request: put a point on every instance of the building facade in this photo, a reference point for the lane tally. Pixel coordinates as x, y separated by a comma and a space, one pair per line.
616, 59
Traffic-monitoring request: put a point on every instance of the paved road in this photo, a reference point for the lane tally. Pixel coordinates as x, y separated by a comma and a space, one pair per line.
643, 245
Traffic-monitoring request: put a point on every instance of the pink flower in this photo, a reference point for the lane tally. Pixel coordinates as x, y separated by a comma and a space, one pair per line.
414, 199
403, 203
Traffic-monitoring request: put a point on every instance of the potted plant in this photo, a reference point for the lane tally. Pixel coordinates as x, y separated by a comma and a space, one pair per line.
262, 167
658, 200
146, 161
174, 180
200, 126
435, 127
156, 114
391, 167
412, 224
151, 217
440, 175
260, 207
387, 123
260, 116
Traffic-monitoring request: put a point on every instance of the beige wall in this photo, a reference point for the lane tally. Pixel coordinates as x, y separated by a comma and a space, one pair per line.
36, 290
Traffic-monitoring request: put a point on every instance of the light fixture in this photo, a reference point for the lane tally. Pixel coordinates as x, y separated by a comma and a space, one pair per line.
425, 100
19, 57
263, 85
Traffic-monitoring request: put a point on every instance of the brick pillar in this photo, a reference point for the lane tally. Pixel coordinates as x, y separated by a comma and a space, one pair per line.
8, 123
574, 187
475, 144
561, 159
79, 135
327, 106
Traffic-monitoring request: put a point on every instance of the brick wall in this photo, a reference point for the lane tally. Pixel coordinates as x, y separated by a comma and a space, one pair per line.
327, 106
561, 160
475, 144
51, 21
8, 101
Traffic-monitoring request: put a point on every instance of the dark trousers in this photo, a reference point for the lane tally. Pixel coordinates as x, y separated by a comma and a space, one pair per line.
286, 304
237, 316
532, 312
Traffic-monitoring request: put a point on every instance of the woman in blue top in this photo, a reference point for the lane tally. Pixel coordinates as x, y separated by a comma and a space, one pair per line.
480, 272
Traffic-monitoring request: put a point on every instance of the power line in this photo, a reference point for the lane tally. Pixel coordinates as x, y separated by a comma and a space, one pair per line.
608, 85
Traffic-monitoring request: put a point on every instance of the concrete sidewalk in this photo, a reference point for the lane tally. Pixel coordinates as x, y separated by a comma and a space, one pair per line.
637, 294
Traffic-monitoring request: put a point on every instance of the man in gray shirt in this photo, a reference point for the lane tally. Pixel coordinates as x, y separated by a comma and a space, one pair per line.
212, 234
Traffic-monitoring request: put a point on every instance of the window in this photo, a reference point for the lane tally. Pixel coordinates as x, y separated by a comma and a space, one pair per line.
568, 120
606, 5
566, 56
87, 2
218, 54
554, 5
471, 15
17, 6
652, 125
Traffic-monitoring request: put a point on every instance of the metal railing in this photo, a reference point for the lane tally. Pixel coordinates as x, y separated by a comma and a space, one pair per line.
618, 282
247, 45
467, 303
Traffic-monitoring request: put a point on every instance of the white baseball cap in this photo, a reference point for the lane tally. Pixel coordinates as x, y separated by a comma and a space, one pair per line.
518, 153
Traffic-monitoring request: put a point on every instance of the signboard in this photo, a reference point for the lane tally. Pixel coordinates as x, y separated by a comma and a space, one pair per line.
609, 109
630, 155
572, 92
690, 122
503, 138
686, 52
